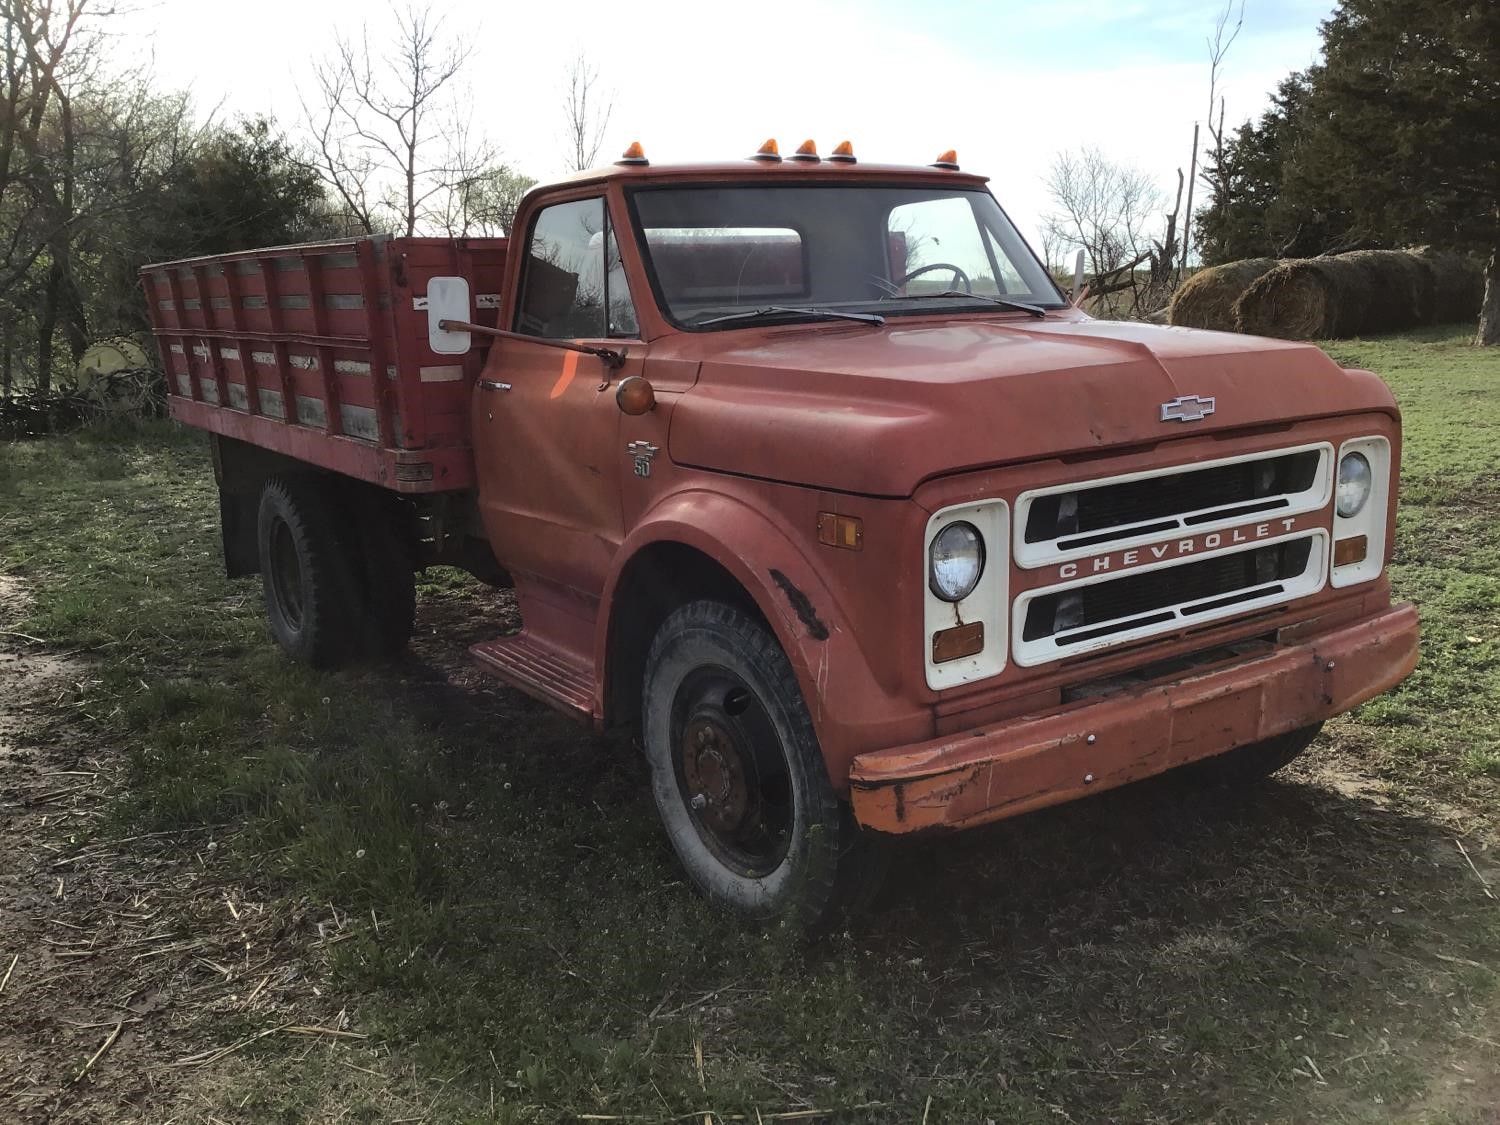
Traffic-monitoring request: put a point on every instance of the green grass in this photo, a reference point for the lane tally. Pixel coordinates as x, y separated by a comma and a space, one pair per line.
1150, 955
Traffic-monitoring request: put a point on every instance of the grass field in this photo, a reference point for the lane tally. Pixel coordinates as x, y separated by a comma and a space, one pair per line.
492, 904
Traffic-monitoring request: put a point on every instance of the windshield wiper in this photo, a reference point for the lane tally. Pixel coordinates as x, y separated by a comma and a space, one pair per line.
1003, 302
791, 310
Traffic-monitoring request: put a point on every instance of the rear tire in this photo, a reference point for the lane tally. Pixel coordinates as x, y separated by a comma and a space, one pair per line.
738, 777
388, 568
312, 591
1246, 765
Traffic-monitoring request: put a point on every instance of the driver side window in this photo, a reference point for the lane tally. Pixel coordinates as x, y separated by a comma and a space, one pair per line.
573, 283
937, 244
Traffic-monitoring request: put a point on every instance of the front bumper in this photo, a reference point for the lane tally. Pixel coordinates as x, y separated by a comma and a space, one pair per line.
982, 775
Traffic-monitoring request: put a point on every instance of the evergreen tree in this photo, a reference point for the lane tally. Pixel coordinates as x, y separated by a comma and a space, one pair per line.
1393, 139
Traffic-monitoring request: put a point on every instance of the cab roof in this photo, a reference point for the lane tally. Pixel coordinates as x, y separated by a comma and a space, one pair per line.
822, 170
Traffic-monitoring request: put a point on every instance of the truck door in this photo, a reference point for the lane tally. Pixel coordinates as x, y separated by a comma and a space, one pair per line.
546, 425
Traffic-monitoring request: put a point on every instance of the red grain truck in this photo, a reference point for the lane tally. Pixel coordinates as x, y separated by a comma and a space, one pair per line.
805, 470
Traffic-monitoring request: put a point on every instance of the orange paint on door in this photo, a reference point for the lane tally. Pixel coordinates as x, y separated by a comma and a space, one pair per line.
569, 369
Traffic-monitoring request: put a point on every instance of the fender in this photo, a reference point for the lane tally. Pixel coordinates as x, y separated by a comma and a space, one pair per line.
851, 713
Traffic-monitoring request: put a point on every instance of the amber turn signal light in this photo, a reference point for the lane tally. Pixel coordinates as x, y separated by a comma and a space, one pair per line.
948, 161
847, 532
1347, 552
960, 641
635, 395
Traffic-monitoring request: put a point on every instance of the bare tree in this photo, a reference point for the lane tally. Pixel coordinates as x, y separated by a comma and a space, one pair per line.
587, 114
1225, 33
1102, 206
39, 46
485, 203
389, 137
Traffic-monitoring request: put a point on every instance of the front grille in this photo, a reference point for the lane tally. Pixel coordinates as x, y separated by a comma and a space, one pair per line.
1072, 520
1069, 619
1130, 602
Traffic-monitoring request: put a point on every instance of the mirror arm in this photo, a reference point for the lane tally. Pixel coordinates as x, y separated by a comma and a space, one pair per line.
615, 359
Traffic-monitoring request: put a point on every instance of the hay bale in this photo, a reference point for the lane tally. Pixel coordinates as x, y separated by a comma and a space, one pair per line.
1457, 286
1206, 300
1340, 295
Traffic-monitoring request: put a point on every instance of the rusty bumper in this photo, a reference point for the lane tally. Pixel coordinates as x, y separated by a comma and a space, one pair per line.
992, 773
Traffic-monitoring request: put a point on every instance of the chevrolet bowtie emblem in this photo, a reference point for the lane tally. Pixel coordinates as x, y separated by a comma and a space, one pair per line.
1187, 408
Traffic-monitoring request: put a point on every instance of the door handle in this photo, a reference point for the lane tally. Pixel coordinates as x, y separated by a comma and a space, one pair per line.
493, 385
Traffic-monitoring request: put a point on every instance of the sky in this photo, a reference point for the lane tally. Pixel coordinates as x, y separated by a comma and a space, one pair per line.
1008, 84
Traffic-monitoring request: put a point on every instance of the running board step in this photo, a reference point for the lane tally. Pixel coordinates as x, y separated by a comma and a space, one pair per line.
541, 671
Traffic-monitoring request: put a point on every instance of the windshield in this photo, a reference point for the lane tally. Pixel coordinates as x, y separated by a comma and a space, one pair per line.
730, 255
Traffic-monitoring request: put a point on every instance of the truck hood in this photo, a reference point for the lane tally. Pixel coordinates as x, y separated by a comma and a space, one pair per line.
877, 411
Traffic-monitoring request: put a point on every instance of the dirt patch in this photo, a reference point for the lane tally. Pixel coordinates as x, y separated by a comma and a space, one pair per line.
124, 962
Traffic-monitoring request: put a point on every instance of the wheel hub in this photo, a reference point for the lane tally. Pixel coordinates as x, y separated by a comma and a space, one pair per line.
714, 768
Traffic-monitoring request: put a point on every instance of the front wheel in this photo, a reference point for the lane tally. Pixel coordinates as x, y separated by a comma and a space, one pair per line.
1246, 765
738, 777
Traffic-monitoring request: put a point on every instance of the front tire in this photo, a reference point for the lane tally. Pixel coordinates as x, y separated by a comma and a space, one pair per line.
1245, 765
738, 777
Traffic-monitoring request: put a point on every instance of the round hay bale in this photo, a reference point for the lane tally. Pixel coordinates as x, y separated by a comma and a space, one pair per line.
1457, 286
1352, 294
1206, 300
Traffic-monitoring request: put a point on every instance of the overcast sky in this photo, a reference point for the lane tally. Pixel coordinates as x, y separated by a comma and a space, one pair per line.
1006, 83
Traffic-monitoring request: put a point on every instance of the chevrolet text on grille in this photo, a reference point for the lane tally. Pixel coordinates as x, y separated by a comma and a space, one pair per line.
1176, 548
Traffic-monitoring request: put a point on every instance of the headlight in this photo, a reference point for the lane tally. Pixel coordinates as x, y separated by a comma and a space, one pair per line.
1355, 479
955, 561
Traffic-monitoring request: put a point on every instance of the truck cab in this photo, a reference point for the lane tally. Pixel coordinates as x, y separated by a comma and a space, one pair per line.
806, 471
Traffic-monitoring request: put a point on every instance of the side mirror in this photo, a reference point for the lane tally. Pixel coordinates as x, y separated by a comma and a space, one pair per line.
448, 299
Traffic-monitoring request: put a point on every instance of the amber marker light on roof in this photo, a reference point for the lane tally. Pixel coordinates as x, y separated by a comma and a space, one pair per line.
635, 154
843, 152
948, 161
768, 151
807, 150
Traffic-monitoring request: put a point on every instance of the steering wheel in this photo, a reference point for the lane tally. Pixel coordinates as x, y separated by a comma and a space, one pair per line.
958, 275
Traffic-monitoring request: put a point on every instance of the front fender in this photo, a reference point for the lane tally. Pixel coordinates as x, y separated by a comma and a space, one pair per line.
851, 712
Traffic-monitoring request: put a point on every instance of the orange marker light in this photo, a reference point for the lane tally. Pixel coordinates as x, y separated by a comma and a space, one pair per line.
847, 532
948, 161
635, 396
1347, 552
960, 641
843, 152
635, 154
768, 151
807, 150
